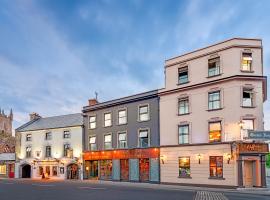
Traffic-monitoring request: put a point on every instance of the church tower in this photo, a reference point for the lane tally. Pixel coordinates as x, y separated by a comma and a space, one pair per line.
6, 122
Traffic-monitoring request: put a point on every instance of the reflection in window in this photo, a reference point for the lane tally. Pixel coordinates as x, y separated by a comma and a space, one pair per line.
216, 166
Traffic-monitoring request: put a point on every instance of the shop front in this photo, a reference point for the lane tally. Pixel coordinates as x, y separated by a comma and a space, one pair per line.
7, 165
140, 165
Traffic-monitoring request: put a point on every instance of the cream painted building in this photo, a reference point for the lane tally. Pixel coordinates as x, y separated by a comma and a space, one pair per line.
50, 147
212, 98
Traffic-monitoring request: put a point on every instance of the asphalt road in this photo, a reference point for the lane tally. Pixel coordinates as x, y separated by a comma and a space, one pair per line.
75, 190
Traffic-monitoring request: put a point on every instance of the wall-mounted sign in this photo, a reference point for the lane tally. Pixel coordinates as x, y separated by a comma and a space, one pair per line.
253, 148
259, 135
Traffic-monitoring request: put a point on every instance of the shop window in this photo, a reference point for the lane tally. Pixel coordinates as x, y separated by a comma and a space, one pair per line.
3, 169
216, 166
143, 138
28, 152
92, 122
183, 75
48, 136
248, 96
66, 134
122, 117
183, 106
247, 62
144, 113
215, 131
214, 67
28, 137
108, 141
48, 170
214, 100
92, 143
107, 119
40, 170
106, 169
48, 151
184, 167
183, 133
122, 140
54, 170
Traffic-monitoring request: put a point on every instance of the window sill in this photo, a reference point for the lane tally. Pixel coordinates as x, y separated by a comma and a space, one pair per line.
215, 142
185, 177
214, 75
107, 126
216, 109
121, 124
182, 83
248, 106
92, 128
143, 121
184, 114
247, 71
216, 178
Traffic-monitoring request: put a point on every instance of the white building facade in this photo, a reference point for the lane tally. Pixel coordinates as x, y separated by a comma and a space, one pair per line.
50, 148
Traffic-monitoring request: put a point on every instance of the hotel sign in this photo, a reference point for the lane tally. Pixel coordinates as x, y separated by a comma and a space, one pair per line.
259, 135
253, 148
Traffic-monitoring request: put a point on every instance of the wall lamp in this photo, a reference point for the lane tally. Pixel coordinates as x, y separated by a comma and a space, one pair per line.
199, 157
228, 156
162, 159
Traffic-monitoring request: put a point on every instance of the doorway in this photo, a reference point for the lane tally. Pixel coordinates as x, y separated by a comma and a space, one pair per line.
91, 168
144, 169
124, 170
26, 171
72, 171
11, 169
248, 173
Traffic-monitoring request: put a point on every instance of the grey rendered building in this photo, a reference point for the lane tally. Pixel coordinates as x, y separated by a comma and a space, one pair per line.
121, 139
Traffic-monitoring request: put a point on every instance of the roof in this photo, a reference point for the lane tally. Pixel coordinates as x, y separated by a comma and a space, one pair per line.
53, 122
124, 100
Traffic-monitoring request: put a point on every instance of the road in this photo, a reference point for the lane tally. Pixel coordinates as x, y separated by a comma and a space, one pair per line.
75, 190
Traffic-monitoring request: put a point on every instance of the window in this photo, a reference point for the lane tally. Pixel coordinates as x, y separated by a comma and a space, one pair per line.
48, 136
214, 67
92, 122
214, 100
3, 169
182, 75
107, 119
28, 152
40, 169
183, 131
48, 171
122, 116
122, 140
248, 97
66, 134
248, 124
66, 149
215, 131
183, 106
144, 138
54, 170
48, 151
92, 143
216, 166
108, 141
184, 167
246, 61
28, 137
144, 113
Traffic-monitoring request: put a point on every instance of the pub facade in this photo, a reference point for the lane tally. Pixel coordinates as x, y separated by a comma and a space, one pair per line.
121, 139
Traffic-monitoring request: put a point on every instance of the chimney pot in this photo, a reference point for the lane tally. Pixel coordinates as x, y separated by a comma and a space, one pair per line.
34, 116
92, 102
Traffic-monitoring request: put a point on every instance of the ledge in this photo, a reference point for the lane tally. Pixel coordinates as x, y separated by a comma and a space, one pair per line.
248, 106
184, 114
185, 177
183, 83
210, 110
216, 178
246, 71
214, 75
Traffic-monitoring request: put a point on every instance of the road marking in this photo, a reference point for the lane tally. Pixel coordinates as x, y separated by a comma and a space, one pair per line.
43, 185
205, 195
7, 183
92, 188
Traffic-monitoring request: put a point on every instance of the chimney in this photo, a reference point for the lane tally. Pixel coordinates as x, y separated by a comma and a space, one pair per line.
92, 102
34, 116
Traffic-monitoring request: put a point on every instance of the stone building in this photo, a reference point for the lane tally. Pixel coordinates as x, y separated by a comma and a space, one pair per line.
6, 122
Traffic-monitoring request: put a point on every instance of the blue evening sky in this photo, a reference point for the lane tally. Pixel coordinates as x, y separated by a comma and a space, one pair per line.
55, 54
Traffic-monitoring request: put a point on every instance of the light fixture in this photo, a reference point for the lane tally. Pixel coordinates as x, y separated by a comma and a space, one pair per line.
199, 156
228, 156
87, 168
162, 159
241, 124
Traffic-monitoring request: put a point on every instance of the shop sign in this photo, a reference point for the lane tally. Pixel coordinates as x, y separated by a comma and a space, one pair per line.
259, 135
253, 148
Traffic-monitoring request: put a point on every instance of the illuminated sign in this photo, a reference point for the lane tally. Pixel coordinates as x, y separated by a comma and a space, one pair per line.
259, 135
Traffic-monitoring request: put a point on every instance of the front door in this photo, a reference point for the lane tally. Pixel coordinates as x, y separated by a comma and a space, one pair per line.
248, 174
72, 171
94, 168
144, 169
11, 170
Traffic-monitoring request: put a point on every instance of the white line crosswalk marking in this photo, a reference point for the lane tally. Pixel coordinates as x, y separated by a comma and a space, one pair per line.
205, 195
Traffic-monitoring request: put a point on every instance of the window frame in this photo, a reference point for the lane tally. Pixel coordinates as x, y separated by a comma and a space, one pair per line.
65, 150
242, 59
181, 176
46, 156
188, 105
216, 67
148, 136
216, 167
182, 69
28, 154
3, 169
104, 121
212, 122
95, 122
148, 112
104, 143
188, 128
92, 136
118, 116
28, 139
69, 135
252, 93
46, 136
213, 101
118, 141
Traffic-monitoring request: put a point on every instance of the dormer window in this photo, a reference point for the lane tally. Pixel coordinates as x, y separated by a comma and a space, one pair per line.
247, 62
214, 67
183, 75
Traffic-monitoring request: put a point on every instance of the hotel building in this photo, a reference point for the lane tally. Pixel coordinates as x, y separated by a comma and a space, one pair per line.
121, 139
212, 98
50, 147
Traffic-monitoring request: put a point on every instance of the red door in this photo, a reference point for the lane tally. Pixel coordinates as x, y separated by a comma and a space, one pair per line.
11, 170
144, 169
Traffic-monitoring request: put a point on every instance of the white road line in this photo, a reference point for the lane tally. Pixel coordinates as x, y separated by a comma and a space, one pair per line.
7, 183
92, 188
43, 185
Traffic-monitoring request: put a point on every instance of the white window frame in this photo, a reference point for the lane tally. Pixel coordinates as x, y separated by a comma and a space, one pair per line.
148, 112
187, 110
126, 116
104, 142
92, 136
219, 100
149, 140
118, 140
182, 69
94, 122
187, 134
104, 120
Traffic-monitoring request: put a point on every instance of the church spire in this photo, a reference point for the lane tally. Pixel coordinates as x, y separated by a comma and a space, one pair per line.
11, 114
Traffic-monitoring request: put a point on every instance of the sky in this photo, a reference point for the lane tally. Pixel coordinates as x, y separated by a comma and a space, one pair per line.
54, 55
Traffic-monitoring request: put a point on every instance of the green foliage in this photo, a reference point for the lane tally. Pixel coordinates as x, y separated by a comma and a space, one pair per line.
268, 160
